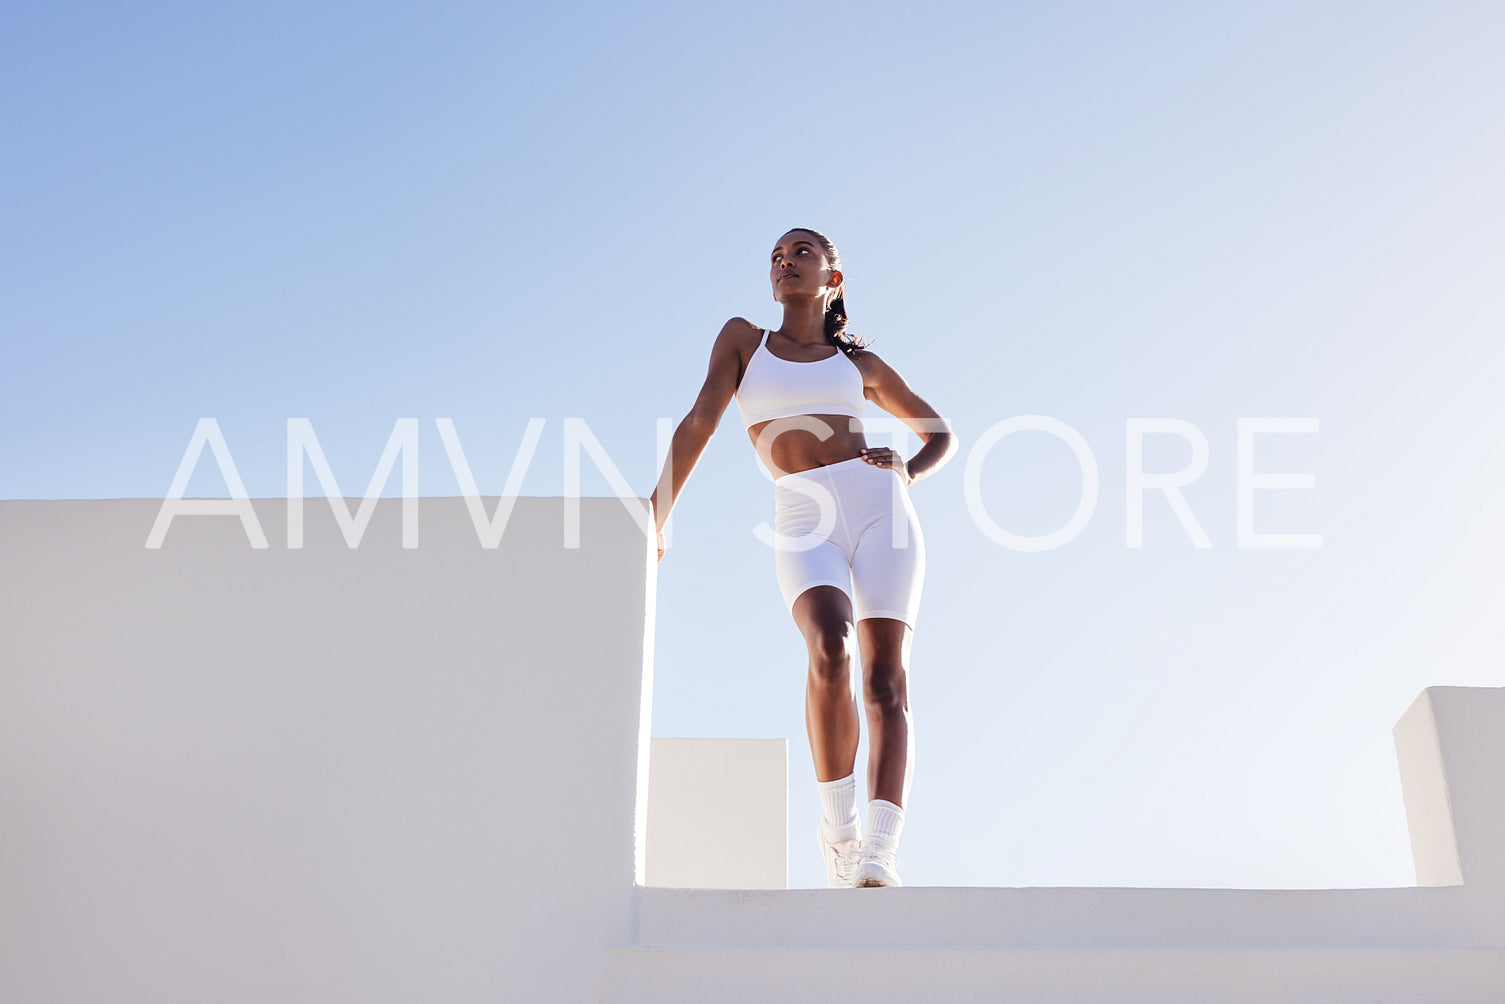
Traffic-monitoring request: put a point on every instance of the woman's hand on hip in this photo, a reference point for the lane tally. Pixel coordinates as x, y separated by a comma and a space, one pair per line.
885, 456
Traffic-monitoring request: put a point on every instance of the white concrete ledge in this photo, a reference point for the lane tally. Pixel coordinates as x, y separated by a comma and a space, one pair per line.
947, 917
1056, 976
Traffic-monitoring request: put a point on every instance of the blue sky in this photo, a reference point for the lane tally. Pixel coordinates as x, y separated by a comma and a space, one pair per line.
1095, 212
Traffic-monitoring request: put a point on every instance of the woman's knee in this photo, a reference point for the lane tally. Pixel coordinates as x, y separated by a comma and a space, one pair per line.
832, 646
886, 687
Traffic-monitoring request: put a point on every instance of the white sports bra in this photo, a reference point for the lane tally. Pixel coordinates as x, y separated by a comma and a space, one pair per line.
778, 388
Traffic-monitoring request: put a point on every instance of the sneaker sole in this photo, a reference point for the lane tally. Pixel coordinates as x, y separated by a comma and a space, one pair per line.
876, 882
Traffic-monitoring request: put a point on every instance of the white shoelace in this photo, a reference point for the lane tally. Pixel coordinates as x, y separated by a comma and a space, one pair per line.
846, 864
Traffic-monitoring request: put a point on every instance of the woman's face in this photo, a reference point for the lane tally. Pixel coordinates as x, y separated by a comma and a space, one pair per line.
798, 267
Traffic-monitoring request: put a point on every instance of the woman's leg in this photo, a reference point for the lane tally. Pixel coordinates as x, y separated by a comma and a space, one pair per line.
824, 616
813, 562
885, 644
888, 573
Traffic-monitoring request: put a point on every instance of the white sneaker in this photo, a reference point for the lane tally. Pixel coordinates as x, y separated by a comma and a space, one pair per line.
840, 857
875, 866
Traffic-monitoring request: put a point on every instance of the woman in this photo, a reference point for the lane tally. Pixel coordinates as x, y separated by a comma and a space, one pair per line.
849, 556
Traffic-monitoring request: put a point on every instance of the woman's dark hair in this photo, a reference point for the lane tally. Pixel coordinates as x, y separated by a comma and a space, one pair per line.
836, 309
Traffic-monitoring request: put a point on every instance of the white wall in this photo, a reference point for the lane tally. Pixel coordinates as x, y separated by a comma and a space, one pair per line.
317, 775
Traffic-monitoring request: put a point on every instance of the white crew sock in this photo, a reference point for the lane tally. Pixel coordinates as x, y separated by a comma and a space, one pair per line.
885, 821
838, 806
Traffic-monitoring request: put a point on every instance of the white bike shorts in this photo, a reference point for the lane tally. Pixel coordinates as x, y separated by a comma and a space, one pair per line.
850, 525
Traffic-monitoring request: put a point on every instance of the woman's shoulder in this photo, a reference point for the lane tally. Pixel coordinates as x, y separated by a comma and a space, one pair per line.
875, 370
741, 334
735, 344
740, 326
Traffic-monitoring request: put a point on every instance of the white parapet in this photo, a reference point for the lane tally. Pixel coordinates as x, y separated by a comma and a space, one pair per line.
718, 813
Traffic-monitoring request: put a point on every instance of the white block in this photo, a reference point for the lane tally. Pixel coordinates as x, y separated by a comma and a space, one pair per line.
1429, 817
1451, 747
718, 813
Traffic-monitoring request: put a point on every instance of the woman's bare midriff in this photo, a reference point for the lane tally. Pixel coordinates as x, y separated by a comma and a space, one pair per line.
796, 447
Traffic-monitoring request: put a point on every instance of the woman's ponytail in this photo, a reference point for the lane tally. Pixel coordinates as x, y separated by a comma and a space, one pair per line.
836, 318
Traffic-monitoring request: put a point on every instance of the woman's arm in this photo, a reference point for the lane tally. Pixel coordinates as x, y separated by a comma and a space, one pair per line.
696, 428
888, 390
